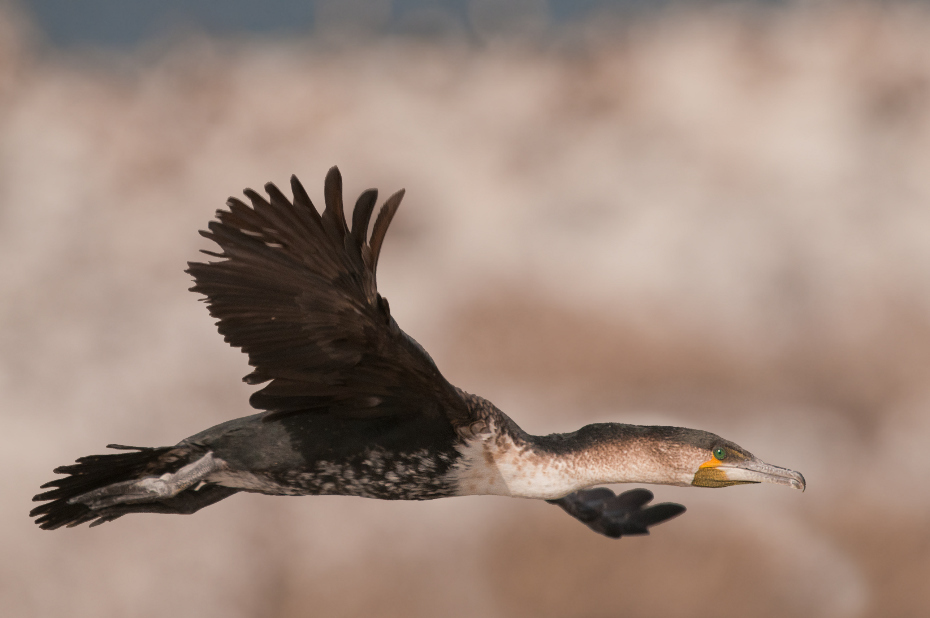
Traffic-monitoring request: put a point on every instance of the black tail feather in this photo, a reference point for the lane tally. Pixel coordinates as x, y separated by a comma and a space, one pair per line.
96, 471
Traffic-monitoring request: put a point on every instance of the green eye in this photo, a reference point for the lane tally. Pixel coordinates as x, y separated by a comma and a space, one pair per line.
720, 453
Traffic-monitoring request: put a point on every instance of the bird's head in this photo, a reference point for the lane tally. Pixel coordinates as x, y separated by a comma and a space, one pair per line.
725, 463
680, 456
704, 459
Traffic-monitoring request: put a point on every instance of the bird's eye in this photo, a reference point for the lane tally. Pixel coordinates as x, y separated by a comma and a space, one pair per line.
720, 453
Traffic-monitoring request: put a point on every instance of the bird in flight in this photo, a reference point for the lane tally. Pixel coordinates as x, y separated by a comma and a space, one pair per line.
354, 406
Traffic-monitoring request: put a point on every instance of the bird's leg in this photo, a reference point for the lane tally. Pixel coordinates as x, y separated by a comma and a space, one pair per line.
616, 516
185, 503
149, 489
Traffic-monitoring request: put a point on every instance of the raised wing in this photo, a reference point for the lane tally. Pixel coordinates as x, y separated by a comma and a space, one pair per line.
296, 291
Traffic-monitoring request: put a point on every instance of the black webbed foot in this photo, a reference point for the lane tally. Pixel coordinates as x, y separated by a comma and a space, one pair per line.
615, 516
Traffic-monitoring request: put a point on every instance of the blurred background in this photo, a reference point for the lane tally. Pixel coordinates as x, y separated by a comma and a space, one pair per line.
708, 214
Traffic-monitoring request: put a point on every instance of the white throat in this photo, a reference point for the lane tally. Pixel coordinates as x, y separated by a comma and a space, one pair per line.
497, 465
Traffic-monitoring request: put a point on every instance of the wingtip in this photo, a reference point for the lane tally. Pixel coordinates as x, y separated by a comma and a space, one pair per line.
396, 198
297, 188
333, 179
333, 216
361, 216
385, 215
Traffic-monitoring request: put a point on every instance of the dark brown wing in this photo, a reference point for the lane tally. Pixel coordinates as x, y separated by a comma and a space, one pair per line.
296, 291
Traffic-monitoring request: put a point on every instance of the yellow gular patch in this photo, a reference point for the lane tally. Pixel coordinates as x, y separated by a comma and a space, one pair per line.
711, 463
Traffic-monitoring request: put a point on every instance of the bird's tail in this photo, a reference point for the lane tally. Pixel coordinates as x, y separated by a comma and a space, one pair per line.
118, 476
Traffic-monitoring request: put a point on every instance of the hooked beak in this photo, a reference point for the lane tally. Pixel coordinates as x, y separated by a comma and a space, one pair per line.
750, 470
756, 471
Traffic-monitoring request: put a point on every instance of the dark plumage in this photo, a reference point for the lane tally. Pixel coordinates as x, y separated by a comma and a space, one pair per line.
352, 405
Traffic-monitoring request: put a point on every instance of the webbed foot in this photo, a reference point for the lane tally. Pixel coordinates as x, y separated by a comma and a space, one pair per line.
616, 516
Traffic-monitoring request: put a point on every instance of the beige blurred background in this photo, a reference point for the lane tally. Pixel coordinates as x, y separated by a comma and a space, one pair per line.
716, 216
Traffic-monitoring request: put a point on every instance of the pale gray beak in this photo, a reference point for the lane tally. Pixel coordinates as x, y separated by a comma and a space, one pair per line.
756, 471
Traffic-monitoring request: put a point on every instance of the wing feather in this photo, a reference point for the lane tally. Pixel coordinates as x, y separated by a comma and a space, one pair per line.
381, 225
334, 220
296, 291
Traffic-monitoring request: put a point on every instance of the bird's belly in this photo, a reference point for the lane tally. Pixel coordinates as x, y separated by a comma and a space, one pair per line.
376, 474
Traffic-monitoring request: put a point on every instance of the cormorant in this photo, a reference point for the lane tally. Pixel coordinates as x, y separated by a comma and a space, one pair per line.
354, 406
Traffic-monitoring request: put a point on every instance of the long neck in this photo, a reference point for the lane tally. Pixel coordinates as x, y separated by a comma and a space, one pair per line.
514, 463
